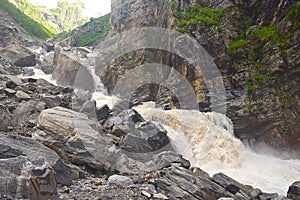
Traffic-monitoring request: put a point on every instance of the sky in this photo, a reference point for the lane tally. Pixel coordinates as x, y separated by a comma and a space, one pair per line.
93, 7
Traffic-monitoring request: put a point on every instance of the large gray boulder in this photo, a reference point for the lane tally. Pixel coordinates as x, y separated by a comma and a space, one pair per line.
18, 55
29, 169
70, 71
294, 190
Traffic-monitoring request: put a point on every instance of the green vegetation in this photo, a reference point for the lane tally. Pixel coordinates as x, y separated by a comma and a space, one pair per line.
34, 28
64, 17
207, 16
88, 33
294, 13
234, 46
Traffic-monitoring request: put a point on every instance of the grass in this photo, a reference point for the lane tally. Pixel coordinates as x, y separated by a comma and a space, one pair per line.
34, 28
207, 16
234, 46
89, 32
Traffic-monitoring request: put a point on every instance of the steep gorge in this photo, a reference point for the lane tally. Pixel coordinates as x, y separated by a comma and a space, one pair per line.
254, 45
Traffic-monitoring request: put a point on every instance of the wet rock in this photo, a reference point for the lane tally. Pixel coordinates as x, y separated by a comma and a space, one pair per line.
294, 191
18, 55
22, 96
117, 179
5, 118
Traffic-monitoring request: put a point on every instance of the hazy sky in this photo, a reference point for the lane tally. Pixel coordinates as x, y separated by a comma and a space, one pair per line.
93, 7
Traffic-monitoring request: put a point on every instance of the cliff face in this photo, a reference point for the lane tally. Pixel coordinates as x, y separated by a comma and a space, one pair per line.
255, 46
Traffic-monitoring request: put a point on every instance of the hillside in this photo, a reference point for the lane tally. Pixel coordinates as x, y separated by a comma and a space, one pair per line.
87, 34
64, 17
34, 28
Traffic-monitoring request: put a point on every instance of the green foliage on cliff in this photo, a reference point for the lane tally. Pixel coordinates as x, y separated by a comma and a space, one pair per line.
88, 33
34, 28
207, 16
234, 46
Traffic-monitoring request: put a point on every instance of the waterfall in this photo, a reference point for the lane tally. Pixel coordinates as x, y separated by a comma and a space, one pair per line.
207, 140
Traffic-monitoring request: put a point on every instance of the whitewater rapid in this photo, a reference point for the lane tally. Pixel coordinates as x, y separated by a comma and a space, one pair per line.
208, 142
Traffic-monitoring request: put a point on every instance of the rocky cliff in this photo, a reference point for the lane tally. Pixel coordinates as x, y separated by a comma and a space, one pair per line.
255, 47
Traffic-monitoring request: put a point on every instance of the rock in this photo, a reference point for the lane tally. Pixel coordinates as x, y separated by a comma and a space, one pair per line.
5, 118
13, 81
28, 71
67, 139
139, 136
117, 179
146, 194
13, 146
102, 113
69, 71
18, 55
180, 183
27, 179
165, 159
89, 108
268, 196
294, 191
10, 92
159, 196
234, 187
23, 113
22, 96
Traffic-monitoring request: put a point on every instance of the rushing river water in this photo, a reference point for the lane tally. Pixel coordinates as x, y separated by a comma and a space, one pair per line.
207, 140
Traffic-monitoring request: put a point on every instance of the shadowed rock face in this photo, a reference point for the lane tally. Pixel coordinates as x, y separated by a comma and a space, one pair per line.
261, 79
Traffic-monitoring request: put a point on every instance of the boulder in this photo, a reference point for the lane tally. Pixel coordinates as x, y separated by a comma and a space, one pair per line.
69, 71
137, 135
22, 96
294, 191
235, 187
13, 146
18, 55
5, 118
118, 179
180, 183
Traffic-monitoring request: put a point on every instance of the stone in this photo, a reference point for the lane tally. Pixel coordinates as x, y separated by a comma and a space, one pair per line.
22, 96
10, 92
28, 71
166, 158
138, 136
102, 113
13, 146
89, 108
118, 179
18, 55
177, 182
5, 118
13, 81
233, 186
69, 71
294, 191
